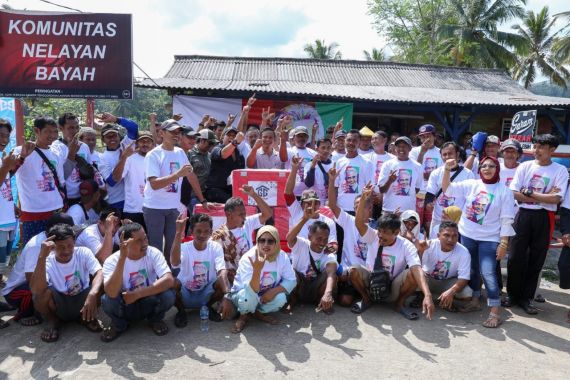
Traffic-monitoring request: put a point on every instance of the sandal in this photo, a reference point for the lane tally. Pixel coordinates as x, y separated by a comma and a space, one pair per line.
93, 326
50, 334
417, 301
181, 319
109, 334
359, 307
159, 328
410, 315
493, 321
3, 324
30, 321
539, 298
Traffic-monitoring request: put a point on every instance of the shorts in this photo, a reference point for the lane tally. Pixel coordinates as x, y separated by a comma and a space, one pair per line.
308, 290
197, 299
440, 286
68, 308
397, 282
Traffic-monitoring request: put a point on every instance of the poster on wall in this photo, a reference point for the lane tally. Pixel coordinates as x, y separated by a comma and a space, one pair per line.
522, 127
71, 55
322, 114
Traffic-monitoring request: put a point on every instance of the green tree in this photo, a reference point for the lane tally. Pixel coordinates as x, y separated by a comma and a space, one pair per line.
536, 54
561, 46
374, 55
475, 34
320, 50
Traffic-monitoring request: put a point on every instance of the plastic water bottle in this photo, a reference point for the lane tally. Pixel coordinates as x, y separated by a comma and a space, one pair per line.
204, 318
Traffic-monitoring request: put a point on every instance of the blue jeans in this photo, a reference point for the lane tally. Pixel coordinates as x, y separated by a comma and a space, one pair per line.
483, 263
151, 308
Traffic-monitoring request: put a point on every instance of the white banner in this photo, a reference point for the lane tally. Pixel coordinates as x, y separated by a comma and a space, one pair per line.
193, 109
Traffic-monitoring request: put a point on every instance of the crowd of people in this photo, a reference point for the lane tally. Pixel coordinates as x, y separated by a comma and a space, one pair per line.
413, 221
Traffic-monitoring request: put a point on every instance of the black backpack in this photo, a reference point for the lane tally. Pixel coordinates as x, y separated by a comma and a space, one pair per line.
380, 283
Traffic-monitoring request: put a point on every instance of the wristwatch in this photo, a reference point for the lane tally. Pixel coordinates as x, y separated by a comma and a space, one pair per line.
235, 143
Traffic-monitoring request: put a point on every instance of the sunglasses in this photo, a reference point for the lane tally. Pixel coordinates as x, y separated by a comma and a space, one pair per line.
263, 241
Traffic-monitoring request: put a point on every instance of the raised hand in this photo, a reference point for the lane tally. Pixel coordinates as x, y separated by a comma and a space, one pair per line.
257, 144
125, 245
47, 246
258, 263
333, 173
239, 137
129, 151
107, 117
311, 211
111, 222
393, 176
248, 190
251, 100
27, 149
296, 161
367, 191
181, 223
450, 164
9, 161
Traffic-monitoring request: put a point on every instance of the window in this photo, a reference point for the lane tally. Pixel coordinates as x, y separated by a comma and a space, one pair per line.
506, 128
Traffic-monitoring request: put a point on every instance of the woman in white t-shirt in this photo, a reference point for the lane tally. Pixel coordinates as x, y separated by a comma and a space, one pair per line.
264, 277
485, 227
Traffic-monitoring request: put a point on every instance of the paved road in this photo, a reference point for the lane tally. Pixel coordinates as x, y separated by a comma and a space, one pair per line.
378, 344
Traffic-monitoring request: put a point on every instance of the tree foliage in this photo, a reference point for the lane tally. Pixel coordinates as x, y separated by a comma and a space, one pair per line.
374, 55
320, 50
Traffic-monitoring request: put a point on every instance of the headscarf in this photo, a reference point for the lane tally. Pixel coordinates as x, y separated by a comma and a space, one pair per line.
496, 177
275, 234
405, 216
453, 213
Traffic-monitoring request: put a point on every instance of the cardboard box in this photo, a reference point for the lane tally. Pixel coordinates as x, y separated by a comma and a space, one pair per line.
269, 184
218, 215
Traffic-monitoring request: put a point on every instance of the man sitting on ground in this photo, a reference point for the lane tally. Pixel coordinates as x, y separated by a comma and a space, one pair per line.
138, 284
60, 286
100, 237
85, 211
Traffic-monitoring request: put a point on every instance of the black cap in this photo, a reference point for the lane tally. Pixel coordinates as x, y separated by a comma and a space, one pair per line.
404, 139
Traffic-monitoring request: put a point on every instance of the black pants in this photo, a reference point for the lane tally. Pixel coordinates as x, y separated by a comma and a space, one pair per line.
218, 195
527, 254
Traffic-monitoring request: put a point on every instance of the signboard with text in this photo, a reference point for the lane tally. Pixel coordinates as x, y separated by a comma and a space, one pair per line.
522, 127
67, 55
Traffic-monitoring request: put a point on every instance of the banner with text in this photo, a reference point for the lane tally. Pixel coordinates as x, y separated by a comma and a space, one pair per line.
522, 127
67, 55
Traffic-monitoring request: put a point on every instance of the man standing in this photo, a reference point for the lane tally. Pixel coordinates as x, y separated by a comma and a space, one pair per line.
538, 186
427, 154
300, 138
199, 158
366, 135
268, 157
379, 155
339, 146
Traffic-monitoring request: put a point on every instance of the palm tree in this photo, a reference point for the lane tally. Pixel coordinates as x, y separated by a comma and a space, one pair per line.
319, 50
475, 38
536, 55
375, 55
561, 47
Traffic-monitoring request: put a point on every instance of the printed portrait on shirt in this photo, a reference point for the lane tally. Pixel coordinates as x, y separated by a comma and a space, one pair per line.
508, 181
138, 279
350, 184
377, 170
388, 263
445, 201
441, 270
173, 187
7, 191
403, 182
201, 273
310, 272
73, 284
47, 183
361, 250
267, 281
538, 183
430, 164
478, 208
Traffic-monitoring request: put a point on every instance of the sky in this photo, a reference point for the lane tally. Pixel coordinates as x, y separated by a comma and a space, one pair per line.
246, 28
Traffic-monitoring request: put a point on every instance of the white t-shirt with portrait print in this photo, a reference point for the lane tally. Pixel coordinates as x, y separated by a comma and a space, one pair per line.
431, 161
441, 265
91, 238
271, 275
353, 174
244, 235
395, 257
355, 249
37, 188
26, 263
296, 213
541, 179
443, 201
72, 278
108, 161
73, 181
506, 175
307, 155
7, 215
377, 160
319, 185
159, 163
135, 180
302, 264
402, 192
199, 268
485, 206
137, 274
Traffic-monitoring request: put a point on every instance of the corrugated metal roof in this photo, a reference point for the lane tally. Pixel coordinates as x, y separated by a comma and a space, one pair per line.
355, 80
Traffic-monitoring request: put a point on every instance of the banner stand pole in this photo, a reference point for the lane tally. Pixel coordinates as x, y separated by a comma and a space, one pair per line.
19, 116
90, 112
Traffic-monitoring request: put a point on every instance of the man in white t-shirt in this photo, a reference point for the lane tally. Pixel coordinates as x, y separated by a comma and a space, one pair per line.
61, 286
314, 267
339, 149
400, 179
100, 237
300, 139
397, 254
539, 186
236, 235
17, 292
364, 144
84, 212
427, 154
511, 151
203, 278
131, 170
165, 166
377, 158
138, 284
447, 266
40, 184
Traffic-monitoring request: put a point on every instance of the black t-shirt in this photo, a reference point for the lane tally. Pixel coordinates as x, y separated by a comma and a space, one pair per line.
222, 168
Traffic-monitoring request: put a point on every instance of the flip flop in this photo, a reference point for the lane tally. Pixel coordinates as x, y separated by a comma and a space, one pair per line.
109, 334
50, 334
410, 315
30, 321
181, 319
159, 328
489, 321
93, 326
359, 307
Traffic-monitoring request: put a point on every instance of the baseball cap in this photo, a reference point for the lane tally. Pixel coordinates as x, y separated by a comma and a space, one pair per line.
228, 130
301, 130
339, 134
425, 129
206, 134
170, 125
366, 132
109, 128
145, 135
493, 140
309, 195
88, 188
511, 143
190, 132
404, 139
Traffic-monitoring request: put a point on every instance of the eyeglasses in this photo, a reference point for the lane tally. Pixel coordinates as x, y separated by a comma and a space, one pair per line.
488, 166
263, 241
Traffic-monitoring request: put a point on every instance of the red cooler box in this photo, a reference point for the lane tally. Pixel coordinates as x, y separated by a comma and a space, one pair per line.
218, 215
269, 184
